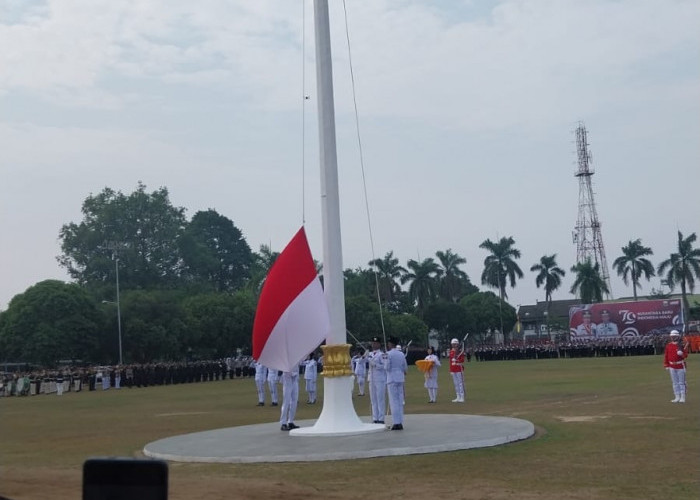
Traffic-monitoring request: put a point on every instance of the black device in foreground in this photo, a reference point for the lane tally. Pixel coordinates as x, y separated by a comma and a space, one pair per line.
125, 479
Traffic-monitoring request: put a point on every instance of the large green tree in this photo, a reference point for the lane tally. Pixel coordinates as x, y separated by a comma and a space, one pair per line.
447, 318
500, 267
422, 280
140, 229
407, 328
215, 252
589, 284
153, 325
633, 264
682, 267
51, 321
218, 323
484, 313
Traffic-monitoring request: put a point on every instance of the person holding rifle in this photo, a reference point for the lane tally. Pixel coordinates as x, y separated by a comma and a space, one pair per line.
674, 362
456, 356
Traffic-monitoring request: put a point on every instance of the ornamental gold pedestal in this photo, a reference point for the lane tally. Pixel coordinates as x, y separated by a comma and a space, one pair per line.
338, 417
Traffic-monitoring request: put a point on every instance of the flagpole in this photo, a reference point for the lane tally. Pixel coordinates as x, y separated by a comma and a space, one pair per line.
338, 416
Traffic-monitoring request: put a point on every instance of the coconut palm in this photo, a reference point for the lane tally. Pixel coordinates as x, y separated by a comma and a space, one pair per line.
262, 262
388, 273
632, 264
589, 284
549, 275
500, 266
683, 267
450, 277
423, 282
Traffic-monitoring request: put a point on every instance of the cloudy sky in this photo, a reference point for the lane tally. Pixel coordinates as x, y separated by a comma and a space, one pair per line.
466, 110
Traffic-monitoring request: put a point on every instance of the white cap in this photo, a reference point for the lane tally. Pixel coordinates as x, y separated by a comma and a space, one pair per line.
674, 333
454, 341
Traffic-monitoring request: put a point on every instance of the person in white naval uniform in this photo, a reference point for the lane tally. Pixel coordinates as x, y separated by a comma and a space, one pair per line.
310, 376
290, 398
260, 378
359, 368
377, 382
396, 367
272, 381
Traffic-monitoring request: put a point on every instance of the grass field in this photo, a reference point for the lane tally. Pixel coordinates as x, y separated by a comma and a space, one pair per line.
606, 430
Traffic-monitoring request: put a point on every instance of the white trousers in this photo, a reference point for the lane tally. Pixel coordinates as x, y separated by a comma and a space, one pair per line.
290, 398
260, 386
360, 384
377, 395
272, 385
458, 380
678, 380
395, 390
311, 389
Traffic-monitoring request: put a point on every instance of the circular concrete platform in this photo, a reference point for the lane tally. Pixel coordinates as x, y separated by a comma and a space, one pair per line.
266, 443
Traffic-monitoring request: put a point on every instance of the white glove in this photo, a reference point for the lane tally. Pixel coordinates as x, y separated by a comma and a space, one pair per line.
668, 369
680, 353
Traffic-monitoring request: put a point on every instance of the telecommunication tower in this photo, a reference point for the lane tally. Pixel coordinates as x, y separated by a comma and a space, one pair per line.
587, 235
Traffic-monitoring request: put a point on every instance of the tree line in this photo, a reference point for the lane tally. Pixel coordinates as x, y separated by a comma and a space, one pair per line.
189, 288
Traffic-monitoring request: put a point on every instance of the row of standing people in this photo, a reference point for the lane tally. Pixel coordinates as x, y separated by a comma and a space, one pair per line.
76, 379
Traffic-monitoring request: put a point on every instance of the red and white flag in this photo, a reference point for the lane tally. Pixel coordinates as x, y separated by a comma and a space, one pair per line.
292, 315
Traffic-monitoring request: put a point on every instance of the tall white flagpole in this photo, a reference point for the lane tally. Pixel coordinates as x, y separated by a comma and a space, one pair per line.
338, 416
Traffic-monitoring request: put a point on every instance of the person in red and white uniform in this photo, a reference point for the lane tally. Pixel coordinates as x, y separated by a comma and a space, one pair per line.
674, 362
456, 356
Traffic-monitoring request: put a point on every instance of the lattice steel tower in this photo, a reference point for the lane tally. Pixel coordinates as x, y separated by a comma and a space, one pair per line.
587, 235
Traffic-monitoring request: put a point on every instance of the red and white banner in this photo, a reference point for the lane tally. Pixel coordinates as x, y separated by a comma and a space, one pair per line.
292, 318
625, 319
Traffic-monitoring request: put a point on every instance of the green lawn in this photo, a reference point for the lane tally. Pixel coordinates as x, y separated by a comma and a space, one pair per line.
606, 430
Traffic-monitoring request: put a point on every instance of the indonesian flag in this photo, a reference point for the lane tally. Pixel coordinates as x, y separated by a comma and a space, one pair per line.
292, 316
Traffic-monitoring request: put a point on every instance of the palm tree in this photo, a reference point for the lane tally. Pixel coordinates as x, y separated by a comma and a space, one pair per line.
451, 278
500, 265
388, 273
632, 264
262, 262
423, 282
550, 276
682, 267
589, 285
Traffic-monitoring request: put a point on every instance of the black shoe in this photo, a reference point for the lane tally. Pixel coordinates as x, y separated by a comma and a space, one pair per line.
261, 404
273, 404
284, 427
397, 427
380, 421
292, 425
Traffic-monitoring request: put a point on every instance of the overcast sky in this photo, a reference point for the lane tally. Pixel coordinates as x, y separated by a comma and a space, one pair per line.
467, 111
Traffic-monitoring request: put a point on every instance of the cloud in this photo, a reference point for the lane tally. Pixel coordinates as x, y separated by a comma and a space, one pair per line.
525, 61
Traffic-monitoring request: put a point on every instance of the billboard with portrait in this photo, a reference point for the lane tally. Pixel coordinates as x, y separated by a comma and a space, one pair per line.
611, 320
